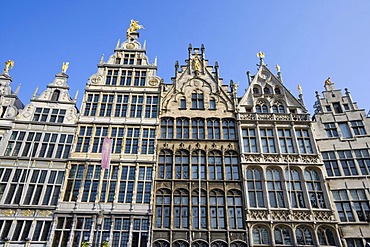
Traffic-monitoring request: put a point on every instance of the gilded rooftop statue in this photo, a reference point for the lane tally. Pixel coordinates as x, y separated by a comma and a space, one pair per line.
8, 65
134, 26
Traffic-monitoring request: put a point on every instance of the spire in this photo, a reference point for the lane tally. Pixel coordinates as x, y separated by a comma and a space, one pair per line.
101, 59
118, 43
279, 73
300, 96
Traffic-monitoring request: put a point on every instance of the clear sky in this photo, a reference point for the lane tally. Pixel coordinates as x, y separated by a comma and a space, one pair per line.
310, 40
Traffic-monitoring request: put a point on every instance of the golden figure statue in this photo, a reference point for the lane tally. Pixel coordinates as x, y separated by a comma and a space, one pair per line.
134, 26
261, 54
196, 64
328, 82
8, 65
299, 89
65, 67
278, 68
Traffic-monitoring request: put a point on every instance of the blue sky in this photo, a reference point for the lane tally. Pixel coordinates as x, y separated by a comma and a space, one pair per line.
310, 40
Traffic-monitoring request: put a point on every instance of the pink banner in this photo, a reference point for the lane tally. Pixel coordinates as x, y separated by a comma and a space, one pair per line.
105, 154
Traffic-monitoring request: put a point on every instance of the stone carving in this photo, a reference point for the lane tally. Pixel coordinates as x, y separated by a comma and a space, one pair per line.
322, 216
96, 79
271, 158
7, 212
258, 215
301, 215
45, 213
248, 117
280, 215
252, 157
310, 159
27, 212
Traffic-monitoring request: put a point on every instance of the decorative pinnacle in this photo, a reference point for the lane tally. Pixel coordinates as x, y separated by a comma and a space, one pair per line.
278, 68
65, 67
8, 65
299, 89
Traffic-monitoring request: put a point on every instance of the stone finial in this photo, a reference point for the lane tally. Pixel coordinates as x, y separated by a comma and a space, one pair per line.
278, 68
261, 55
299, 89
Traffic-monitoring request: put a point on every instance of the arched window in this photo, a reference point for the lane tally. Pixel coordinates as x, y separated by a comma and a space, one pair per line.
218, 244
55, 95
256, 90
238, 244
197, 100
167, 128
255, 191
304, 236
275, 188
326, 236
231, 166
277, 91
181, 209
182, 128
200, 244
235, 210
165, 164
199, 210
213, 128
197, 126
264, 109
217, 209
314, 189
278, 108
198, 164
163, 208
215, 171
281, 109
258, 109
295, 189
282, 235
228, 129
180, 244
182, 164
161, 244
261, 235
266, 90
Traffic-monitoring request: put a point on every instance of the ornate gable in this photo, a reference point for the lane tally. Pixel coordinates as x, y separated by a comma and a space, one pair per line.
197, 86
267, 94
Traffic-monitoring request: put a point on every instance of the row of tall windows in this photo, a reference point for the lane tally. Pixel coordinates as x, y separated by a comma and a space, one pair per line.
48, 115
198, 128
121, 105
39, 144
266, 90
276, 108
30, 186
191, 210
25, 230
352, 205
199, 165
274, 189
283, 235
358, 129
128, 140
126, 77
198, 243
268, 140
133, 186
118, 227
347, 162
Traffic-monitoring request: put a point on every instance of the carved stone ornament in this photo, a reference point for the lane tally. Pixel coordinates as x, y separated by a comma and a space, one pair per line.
258, 215
130, 46
45, 213
153, 82
96, 79
27, 212
7, 212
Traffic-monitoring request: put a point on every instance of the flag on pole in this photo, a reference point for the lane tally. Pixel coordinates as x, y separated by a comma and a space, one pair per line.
105, 154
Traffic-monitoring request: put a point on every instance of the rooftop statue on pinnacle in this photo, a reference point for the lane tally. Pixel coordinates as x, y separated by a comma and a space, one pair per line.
134, 26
